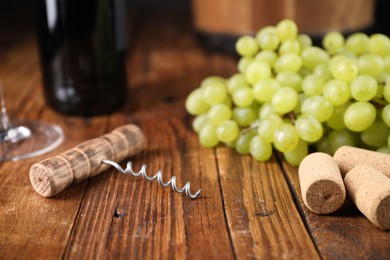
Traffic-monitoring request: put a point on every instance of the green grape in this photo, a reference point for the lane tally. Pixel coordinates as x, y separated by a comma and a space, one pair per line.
333, 42
236, 81
301, 98
208, 136
256, 71
243, 97
288, 62
336, 92
268, 41
267, 110
255, 106
382, 78
309, 128
284, 100
228, 101
231, 144
370, 64
266, 30
267, 56
267, 127
243, 141
296, 156
349, 55
312, 56
260, 149
265, 89
388, 141
386, 63
211, 80
357, 43
345, 69
286, 30
247, 46
243, 64
323, 145
364, 88
379, 93
386, 115
195, 104
285, 137
318, 107
379, 44
322, 70
290, 79
219, 113
376, 135
359, 116
303, 72
336, 121
386, 92
334, 60
304, 41
339, 138
244, 116
228, 131
198, 122
290, 46
214, 93
384, 149
312, 85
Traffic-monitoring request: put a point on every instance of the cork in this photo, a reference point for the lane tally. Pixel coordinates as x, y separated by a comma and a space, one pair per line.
52, 175
347, 157
369, 189
322, 187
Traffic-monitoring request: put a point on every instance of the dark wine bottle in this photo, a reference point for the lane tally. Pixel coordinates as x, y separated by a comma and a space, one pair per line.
82, 52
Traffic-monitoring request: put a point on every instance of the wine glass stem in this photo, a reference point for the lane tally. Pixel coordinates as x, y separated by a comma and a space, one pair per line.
5, 122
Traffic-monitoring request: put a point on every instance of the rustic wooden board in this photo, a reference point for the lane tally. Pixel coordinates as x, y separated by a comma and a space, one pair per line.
247, 209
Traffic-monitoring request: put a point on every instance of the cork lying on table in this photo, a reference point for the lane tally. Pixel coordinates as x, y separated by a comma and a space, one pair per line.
322, 186
369, 189
53, 175
348, 157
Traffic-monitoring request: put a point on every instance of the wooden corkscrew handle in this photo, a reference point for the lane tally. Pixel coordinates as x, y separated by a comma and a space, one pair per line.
53, 175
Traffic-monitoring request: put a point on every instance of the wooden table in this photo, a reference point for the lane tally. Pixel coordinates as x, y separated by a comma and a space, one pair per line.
247, 209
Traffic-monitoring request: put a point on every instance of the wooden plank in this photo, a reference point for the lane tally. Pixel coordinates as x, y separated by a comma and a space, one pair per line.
263, 220
345, 234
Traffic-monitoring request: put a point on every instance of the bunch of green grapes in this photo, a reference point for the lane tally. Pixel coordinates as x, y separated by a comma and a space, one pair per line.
288, 95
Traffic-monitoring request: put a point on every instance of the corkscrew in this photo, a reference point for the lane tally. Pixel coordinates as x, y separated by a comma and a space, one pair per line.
158, 176
53, 175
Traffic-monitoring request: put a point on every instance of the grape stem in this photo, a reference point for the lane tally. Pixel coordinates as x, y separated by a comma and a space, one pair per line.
379, 103
292, 117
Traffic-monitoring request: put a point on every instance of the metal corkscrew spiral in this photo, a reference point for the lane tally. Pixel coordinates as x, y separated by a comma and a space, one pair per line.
158, 176
92, 157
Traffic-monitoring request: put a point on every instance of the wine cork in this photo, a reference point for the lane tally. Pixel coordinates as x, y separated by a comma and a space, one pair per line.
347, 157
53, 175
369, 189
322, 186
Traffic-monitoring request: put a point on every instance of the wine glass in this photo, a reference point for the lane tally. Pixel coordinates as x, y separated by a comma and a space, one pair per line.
20, 139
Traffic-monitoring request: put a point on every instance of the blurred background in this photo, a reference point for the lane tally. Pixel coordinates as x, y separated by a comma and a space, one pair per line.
218, 28
135, 3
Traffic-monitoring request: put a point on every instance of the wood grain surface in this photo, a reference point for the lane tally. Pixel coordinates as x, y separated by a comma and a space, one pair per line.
248, 210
